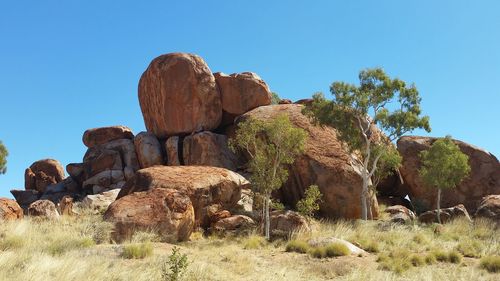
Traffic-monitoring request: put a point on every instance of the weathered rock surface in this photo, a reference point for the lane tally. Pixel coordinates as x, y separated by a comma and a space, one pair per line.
241, 92
284, 223
204, 185
208, 149
66, 206
325, 241
178, 95
10, 210
25, 197
446, 214
237, 224
100, 201
172, 150
489, 208
168, 212
484, 178
324, 163
400, 214
148, 150
43, 208
43, 173
97, 136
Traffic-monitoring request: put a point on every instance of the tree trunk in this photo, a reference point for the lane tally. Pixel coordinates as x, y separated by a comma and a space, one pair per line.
364, 191
439, 205
267, 219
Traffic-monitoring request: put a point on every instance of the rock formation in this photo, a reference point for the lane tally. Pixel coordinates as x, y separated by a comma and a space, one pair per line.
10, 210
208, 149
148, 150
97, 136
489, 208
44, 209
178, 95
284, 223
446, 214
324, 163
165, 211
484, 178
43, 173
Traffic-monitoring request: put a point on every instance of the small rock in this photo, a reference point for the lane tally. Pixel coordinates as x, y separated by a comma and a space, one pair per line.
446, 215
284, 223
43, 208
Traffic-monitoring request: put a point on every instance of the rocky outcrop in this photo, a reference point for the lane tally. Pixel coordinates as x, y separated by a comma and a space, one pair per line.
100, 201
43, 173
97, 136
25, 197
284, 223
234, 225
325, 163
240, 93
489, 208
208, 149
44, 209
148, 150
400, 214
165, 211
178, 95
10, 210
446, 214
204, 185
484, 178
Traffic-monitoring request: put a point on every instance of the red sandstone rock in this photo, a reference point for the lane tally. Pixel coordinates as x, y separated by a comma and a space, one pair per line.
10, 210
97, 136
43, 173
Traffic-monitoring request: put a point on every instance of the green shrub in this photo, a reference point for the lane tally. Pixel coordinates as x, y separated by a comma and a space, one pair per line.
11, 243
318, 252
297, 246
337, 249
174, 268
137, 251
308, 205
470, 248
490, 263
455, 257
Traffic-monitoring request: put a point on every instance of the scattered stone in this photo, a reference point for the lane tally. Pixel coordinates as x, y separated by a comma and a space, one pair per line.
44, 209
204, 185
400, 214
148, 150
178, 95
489, 208
285, 223
446, 215
484, 178
208, 149
97, 136
10, 210
43, 173
100, 201
168, 212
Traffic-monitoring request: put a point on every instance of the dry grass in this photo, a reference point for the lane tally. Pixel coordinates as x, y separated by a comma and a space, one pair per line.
80, 249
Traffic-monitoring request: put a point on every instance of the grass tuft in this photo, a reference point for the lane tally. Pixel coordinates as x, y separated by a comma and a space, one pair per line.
336, 250
490, 263
297, 246
137, 250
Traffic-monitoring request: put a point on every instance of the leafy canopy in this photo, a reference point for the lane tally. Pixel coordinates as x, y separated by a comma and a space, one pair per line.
3, 158
443, 164
308, 205
271, 145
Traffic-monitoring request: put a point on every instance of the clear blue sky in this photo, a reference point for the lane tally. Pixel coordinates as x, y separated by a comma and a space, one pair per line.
66, 66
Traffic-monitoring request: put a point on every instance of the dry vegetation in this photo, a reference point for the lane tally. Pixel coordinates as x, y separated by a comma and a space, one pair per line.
80, 249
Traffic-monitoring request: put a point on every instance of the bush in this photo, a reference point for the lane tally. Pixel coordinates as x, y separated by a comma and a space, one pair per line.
490, 263
137, 251
297, 246
308, 205
337, 249
174, 268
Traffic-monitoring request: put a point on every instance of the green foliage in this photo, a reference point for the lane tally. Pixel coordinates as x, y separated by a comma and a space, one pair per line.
254, 242
137, 250
175, 267
3, 158
329, 251
490, 263
443, 164
308, 205
337, 249
271, 146
275, 98
298, 246
354, 111
318, 252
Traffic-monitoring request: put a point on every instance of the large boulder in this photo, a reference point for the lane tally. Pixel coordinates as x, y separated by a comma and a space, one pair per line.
400, 214
148, 150
324, 163
97, 136
285, 223
204, 185
240, 93
100, 201
25, 197
167, 212
178, 95
10, 210
43, 173
484, 178
489, 208
44, 209
208, 149
446, 214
